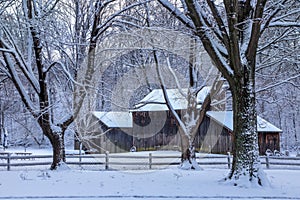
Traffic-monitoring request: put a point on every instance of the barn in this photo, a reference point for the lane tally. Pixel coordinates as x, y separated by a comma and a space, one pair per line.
151, 126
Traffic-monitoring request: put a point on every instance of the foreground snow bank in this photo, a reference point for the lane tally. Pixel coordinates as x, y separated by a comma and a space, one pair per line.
170, 183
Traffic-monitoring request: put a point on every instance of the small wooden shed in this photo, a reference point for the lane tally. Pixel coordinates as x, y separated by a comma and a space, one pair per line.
217, 129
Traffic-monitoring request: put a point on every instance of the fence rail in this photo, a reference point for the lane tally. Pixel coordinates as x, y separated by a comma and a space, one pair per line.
107, 161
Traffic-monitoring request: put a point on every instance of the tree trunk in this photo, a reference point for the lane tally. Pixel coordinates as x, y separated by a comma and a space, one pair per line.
246, 163
56, 139
58, 146
190, 119
185, 146
188, 154
1, 122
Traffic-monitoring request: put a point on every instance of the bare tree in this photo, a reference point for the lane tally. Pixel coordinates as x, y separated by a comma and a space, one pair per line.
230, 33
190, 118
277, 75
106, 19
29, 68
153, 38
30, 64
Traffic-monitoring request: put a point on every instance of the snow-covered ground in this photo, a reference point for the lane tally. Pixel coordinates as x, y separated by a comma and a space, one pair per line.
168, 183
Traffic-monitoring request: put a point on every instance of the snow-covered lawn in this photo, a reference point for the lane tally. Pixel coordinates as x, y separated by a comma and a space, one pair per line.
170, 183
166, 183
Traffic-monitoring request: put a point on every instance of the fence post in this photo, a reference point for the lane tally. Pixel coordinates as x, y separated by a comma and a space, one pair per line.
106, 160
228, 159
80, 159
8, 161
150, 160
80, 153
267, 162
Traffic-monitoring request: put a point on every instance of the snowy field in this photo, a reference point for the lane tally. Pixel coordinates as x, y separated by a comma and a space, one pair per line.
168, 183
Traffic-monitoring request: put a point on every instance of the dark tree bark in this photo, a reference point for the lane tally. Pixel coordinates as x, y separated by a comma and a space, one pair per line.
56, 138
23, 76
245, 141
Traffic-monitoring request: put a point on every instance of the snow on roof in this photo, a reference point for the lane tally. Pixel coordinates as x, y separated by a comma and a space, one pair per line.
226, 118
115, 119
155, 101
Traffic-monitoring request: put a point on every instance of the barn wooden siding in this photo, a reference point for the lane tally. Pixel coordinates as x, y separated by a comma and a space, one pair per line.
141, 135
215, 138
212, 137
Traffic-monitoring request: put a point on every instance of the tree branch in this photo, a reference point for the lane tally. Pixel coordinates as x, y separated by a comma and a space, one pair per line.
255, 32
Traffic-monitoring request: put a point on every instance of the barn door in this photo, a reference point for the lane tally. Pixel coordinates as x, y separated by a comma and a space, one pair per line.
272, 141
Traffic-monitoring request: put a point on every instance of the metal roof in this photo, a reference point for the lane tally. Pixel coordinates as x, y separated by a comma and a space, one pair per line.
115, 119
225, 118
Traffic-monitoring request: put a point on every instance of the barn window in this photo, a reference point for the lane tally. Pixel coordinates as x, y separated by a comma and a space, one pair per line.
141, 118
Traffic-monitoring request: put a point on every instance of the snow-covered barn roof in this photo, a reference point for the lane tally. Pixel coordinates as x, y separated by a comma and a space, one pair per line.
155, 100
115, 119
225, 118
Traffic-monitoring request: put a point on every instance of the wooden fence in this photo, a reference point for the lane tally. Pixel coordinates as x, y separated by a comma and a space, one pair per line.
108, 161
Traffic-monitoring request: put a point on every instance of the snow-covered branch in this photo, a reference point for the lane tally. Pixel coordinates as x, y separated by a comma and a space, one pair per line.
284, 24
165, 94
220, 23
175, 77
279, 82
21, 63
175, 11
283, 35
255, 30
18, 83
107, 23
281, 14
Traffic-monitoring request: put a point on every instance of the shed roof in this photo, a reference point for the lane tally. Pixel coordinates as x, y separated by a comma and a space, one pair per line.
155, 100
225, 118
115, 119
